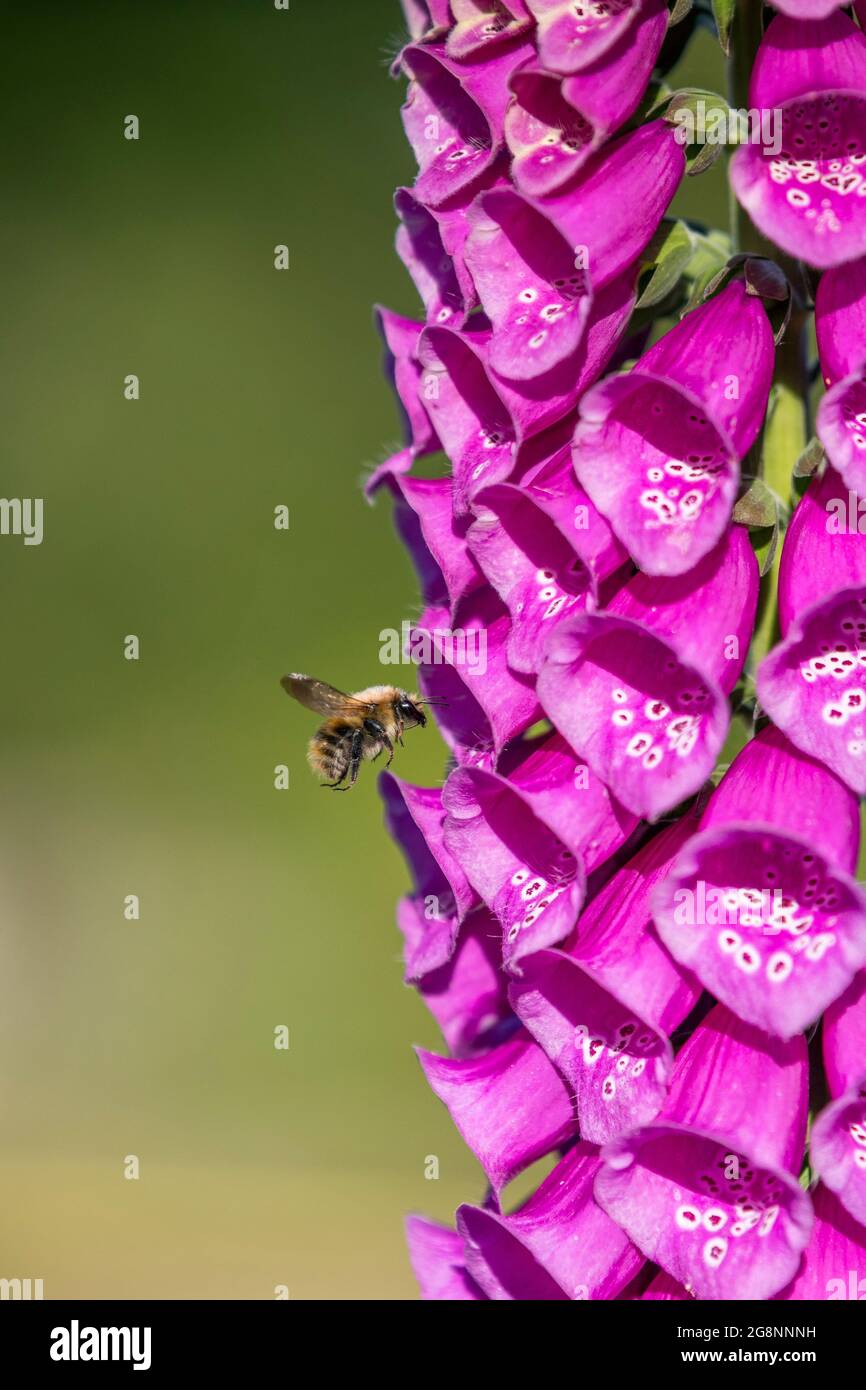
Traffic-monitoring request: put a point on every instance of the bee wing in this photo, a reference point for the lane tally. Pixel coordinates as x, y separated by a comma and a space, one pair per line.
321, 697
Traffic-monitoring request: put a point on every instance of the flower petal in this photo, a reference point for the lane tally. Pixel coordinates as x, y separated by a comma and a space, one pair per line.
841, 428
525, 842
484, 24
403, 369
446, 294
768, 926
636, 689
466, 664
435, 539
531, 565
437, 1258
825, 547
658, 449
840, 320
602, 1010
554, 125
524, 271
609, 214
838, 1149
706, 1191
844, 1039
560, 1244
510, 1105
838, 1140
812, 684
453, 116
468, 996
532, 883
805, 194
414, 817
834, 1261
573, 33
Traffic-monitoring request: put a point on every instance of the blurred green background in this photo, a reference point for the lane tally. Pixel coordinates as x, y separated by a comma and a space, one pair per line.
258, 908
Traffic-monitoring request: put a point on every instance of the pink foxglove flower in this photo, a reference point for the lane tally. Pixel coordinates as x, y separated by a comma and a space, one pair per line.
708, 1190
812, 684
761, 904
840, 324
658, 449
805, 196
638, 688
635, 1003
838, 1141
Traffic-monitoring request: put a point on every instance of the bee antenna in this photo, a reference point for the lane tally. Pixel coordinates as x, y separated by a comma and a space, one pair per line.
436, 704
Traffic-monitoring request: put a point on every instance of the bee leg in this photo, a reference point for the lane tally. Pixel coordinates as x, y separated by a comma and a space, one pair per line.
377, 730
355, 758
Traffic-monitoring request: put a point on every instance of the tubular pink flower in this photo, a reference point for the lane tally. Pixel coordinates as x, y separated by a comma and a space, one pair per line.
806, 197
438, 1263
555, 124
558, 1245
468, 995
834, 1261
658, 448
838, 1140
761, 904
545, 549
442, 895
527, 841
840, 325
574, 33
637, 690
486, 424
453, 116
811, 684
707, 1190
465, 664
603, 1009
510, 1105
435, 539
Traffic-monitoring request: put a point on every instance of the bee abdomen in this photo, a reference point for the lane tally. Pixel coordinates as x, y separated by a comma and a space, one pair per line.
329, 754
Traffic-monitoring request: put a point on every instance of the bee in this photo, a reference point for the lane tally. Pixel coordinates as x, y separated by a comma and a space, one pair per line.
357, 727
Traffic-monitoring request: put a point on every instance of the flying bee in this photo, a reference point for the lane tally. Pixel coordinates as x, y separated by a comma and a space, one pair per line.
357, 727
